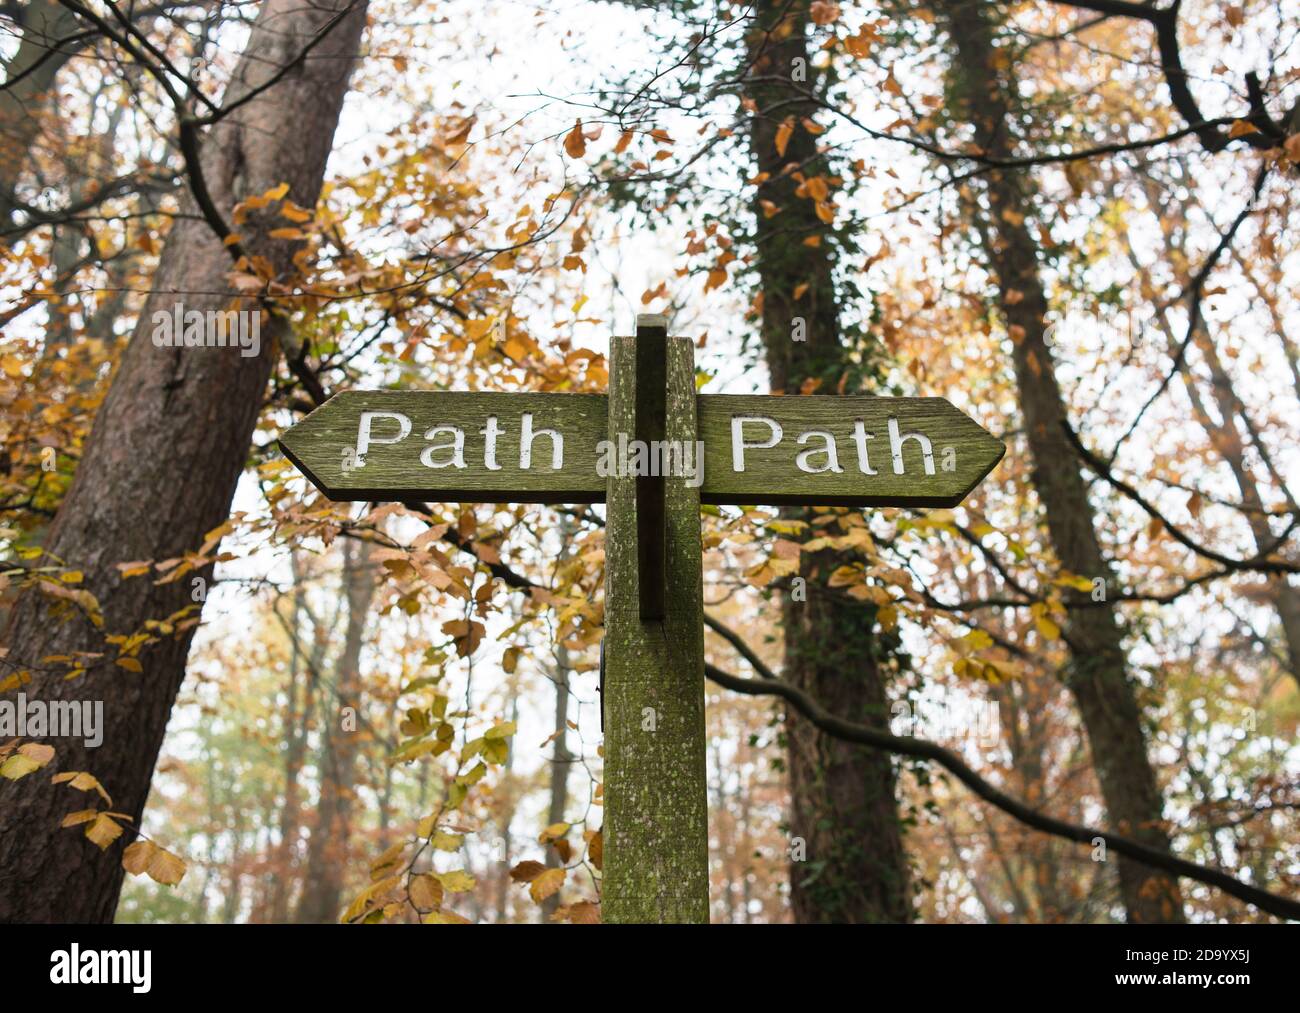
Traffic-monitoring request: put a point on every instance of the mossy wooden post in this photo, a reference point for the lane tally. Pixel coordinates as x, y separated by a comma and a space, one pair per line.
491, 447
656, 866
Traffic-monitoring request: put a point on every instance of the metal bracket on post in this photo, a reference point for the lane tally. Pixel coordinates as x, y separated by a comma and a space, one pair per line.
651, 423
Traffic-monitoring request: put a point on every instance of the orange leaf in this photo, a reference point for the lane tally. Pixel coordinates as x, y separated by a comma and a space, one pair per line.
823, 12
783, 134
574, 143
526, 872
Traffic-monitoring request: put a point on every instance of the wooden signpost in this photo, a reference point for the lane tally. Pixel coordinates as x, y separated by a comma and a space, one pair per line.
652, 451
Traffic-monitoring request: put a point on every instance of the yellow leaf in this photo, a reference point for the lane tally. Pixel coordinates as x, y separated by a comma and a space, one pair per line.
1074, 580
103, 831
366, 897
1048, 629
444, 841
83, 781
845, 575
166, 868
548, 883
457, 881
425, 892
130, 664
18, 766
294, 213
135, 859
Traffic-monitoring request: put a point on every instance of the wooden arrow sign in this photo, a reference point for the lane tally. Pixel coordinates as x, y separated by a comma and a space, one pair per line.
557, 448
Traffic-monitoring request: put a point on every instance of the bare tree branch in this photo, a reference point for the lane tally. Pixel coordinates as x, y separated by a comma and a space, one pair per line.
865, 735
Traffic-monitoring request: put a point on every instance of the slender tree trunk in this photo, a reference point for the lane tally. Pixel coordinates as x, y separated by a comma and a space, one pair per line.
561, 758
1097, 674
160, 467
1023, 706
295, 728
330, 840
848, 861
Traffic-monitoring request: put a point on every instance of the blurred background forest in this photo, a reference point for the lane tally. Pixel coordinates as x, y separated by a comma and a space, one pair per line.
1073, 220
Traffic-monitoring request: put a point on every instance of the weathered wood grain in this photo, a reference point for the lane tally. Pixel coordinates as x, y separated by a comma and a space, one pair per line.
961, 452
773, 477
656, 865
393, 471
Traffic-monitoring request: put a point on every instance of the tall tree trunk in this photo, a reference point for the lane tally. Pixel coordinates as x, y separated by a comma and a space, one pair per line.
1097, 674
330, 839
843, 806
161, 465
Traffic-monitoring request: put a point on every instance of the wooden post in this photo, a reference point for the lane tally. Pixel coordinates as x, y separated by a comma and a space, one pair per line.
656, 866
491, 447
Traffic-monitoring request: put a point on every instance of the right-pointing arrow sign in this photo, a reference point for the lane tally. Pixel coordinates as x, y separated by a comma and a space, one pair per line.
841, 451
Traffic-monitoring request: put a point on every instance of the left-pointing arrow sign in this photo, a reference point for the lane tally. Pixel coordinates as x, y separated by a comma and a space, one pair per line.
453, 446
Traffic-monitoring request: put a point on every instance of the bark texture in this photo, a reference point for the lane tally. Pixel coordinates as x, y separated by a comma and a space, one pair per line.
160, 468
656, 840
848, 863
